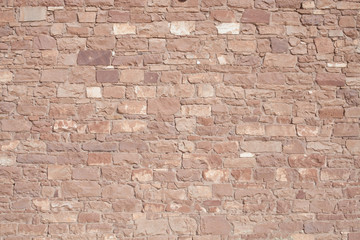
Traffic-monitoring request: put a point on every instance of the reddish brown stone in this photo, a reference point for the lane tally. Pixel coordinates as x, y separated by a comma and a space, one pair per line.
128, 60
312, 20
256, 16
331, 112
307, 161
324, 45
216, 225
330, 79
89, 217
288, 3
107, 76
346, 129
223, 15
43, 42
279, 45
94, 57
166, 106
318, 227
151, 77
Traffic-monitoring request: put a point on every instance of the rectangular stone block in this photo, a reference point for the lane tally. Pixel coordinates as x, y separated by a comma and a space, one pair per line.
32, 14
261, 146
94, 57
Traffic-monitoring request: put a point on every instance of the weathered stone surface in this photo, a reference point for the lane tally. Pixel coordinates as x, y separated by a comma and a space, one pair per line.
117, 191
14, 125
24, 75
182, 27
183, 225
165, 106
280, 60
255, 16
70, 90
196, 110
107, 76
288, 3
132, 76
179, 119
44, 42
324, 45
59, 172
217, 225
353, 146
94, 57
228, 28
242, 46
259, 146
330, 79
307, 161
7, 159
280, 130
132, 107
124, 29
5, 76
93, 92
128, 126
31, 14
346, 129
101, 43
71, 189
54, 75
151, 227
250, 129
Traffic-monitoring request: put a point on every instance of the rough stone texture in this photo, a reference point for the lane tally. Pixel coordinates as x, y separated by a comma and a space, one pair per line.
31, 14
94, 57
179, 119
256, 16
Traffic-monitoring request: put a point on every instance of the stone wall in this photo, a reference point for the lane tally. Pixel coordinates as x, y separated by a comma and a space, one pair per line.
179, 119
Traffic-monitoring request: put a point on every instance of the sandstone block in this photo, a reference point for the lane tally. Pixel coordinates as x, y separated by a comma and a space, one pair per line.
164, 106
117, 191
59, 172
132, 107
280, 130
142, 175
5, 76
346, 129
114, 92
86, 17
280, 60
44, 42
93, 92
31, 14
182, 27
14, 125
132, 76
71, 189
99, 159
244, 46
330, 79
256, 16
259, 146
124, 28
353, 146
183, 225
129, 126
196, 110
94, 57
324, 45
217, 225
228, 28
250, 129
